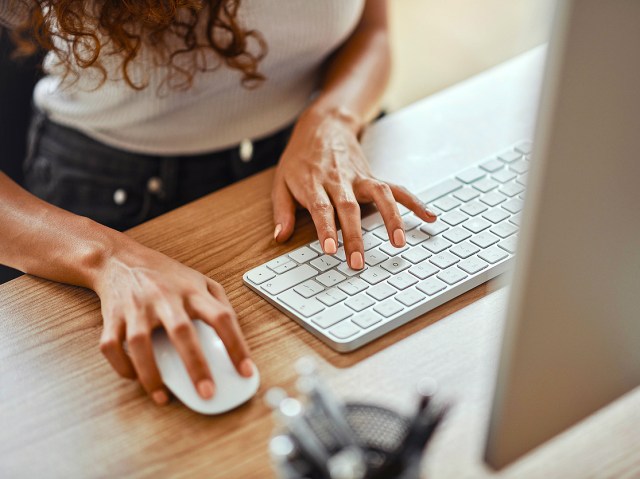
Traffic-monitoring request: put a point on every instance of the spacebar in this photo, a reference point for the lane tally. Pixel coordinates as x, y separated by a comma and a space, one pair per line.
289, 279
439, 190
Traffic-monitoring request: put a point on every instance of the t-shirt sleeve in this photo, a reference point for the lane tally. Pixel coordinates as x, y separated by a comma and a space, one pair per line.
12, 13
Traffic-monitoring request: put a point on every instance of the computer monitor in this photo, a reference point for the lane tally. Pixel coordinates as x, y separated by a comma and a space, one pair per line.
572, 334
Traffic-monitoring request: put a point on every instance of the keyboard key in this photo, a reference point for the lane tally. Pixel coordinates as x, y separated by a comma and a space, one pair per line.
493, 254
524, 147
360, 302
325, 262
381, 291
415, 255
431, 286
344, 269
344, 330
395, 265
381, 232
370, 241
452, 275
433, 229
485, 239
289, 279
511, 189
372, 221
353, 286
485, 185
374, 275
516, 219
308, 288
331, 316
454, 218
522, 179
260, 274
509, 244
473, 208
520, 166
411, 221
341, 254
472, 265
423, 270
471, 174
514, 205
475, 225
374, 257
504, 176
317, 247
409, 297
402, 280
388, 308
415, 237
331, 296
366, 319
496, 216
436, 245
302, 255
464, 250
391, 250
492, 165
493, 198
437, 191
444, 260
457, 234
504, 229
447, 203
330, 278
284, 267
274, 263
509, 156
303, 306
466, 194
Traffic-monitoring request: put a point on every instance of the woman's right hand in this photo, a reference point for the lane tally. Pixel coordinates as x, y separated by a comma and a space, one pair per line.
141, 289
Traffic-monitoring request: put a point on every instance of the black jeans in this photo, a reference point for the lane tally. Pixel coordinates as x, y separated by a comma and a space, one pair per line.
121, 189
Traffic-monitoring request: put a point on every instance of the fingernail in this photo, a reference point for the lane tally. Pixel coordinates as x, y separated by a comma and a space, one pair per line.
430, 212
277, 231
398, 238
356, 260
160, 397
246, 368
206, 388
330, 246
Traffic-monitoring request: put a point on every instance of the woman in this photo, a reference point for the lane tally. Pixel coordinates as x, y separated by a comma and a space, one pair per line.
148, 105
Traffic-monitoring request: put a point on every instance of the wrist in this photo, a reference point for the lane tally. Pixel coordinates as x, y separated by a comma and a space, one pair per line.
322, 109
93, 255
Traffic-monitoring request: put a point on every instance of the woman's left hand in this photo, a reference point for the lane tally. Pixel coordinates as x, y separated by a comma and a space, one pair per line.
324, 170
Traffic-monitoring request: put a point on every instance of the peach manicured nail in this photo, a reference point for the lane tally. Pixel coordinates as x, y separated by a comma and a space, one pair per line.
430, 212
160, 397
277, 231
330, 246
206, 388
246, 368
398, 238
356, 260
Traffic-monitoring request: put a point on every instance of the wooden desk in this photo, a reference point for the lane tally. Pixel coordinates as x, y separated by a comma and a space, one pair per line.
65, 413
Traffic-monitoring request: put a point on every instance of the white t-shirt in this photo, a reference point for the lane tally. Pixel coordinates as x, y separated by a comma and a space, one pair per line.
217, 111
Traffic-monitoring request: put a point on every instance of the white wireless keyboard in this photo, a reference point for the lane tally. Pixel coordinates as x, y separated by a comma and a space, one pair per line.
472, 241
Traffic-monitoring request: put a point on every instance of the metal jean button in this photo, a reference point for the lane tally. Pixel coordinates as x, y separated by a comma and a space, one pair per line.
154, 185
246, 150
120, 197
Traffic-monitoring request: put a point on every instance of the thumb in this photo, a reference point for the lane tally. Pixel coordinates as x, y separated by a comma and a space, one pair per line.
284, 211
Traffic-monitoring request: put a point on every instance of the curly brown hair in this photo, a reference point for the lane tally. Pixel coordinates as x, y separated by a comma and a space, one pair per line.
82, 33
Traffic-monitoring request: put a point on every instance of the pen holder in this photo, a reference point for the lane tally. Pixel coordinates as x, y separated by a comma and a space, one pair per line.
325, 439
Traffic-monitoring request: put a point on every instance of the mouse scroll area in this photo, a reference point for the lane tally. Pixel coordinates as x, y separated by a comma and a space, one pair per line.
232, 390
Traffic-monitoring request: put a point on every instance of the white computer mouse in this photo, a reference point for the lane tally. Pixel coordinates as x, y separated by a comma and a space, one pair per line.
232, 390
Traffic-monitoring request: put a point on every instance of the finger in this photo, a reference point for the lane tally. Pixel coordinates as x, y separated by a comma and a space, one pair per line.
184, 337
221, 317
113, 335
348, 211
141, 351
380, 193
411, 201
323, 217
284, 211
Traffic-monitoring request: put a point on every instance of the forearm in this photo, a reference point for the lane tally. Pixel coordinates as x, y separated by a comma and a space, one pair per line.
357, 75
46, 241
